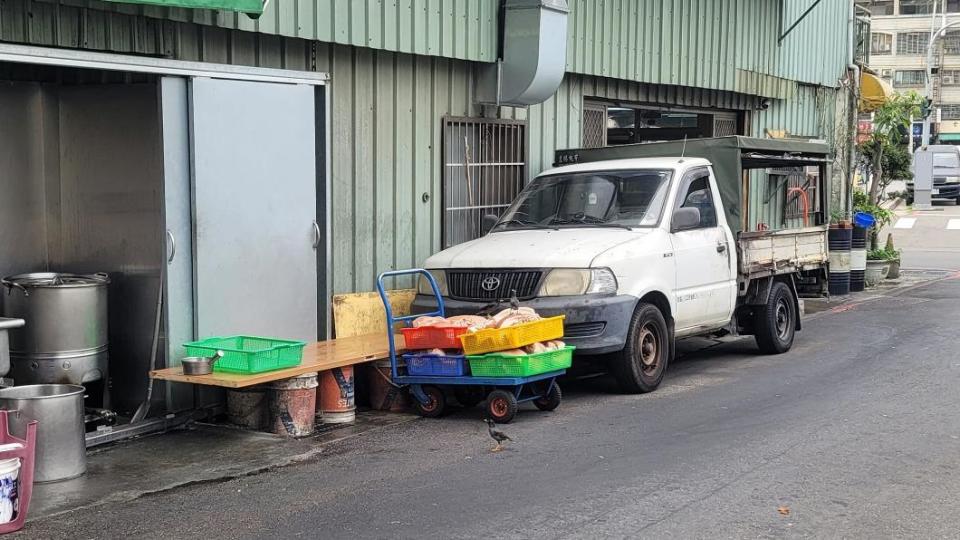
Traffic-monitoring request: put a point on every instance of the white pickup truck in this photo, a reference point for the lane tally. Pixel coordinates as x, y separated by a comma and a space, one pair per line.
637, 251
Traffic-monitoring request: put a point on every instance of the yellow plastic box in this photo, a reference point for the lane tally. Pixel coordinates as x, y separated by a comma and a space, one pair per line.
503, 339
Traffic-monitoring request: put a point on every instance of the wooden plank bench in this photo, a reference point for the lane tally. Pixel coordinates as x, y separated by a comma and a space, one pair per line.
356, 316
317, 357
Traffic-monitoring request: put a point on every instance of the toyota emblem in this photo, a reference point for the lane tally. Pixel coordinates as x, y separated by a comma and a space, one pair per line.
490, 284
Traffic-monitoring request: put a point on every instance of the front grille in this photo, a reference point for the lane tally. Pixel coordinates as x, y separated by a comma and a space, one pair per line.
583, 330
479, 284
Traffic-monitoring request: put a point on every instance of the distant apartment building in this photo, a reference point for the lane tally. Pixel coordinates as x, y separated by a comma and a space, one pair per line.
900, 31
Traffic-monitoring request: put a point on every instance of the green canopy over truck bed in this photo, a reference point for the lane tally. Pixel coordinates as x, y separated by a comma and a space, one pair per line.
744, 169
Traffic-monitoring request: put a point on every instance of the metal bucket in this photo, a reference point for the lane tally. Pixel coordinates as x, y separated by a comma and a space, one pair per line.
61, 445
65, 338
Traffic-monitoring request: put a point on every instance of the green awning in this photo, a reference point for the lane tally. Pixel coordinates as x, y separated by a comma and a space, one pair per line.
251, 7
949, 137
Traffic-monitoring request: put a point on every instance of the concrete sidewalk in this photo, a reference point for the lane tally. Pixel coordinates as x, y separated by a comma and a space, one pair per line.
197, 453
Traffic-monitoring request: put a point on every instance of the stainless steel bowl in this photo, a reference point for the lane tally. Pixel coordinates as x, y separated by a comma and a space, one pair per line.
200, 365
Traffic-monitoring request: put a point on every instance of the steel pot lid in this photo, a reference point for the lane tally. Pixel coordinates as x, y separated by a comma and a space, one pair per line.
56, 280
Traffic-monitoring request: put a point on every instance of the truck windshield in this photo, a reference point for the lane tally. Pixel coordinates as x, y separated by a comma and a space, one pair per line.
621, 198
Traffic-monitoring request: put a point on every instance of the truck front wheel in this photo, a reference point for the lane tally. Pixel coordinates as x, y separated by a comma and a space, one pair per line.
639, 367
776, 322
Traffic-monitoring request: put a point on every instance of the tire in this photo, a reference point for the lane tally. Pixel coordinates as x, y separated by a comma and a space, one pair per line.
502, 406
776, 322
551, 400
640, 366
437, 405
468, 396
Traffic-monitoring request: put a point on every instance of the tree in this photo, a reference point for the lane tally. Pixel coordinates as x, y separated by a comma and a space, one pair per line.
889, 123
894, 161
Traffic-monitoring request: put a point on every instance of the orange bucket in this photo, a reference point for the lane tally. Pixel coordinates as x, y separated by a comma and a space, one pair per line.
336, 404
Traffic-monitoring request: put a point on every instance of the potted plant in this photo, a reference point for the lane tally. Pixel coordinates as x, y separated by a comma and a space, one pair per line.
893, 257
877, 267
840, 220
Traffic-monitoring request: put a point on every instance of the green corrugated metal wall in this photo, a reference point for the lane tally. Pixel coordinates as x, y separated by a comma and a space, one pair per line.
464, 29
728, 45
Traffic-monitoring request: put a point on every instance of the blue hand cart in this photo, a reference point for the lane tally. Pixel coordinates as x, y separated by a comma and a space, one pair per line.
503, 395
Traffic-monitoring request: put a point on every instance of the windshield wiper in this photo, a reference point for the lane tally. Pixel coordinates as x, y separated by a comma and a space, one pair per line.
523, 223
590, 221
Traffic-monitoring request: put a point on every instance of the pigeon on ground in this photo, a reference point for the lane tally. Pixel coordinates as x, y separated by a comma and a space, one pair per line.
496, 435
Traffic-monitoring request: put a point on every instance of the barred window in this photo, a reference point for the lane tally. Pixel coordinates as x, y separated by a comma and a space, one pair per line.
912, 42
951, 42
878, 7
916, 7
909, 77
950, 77
881, 43
950, 112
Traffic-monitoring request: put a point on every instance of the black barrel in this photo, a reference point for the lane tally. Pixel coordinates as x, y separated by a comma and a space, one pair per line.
840, 241
858, 259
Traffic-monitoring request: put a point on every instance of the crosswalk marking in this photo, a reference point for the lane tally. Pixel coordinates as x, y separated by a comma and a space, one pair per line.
905, 223
953, 224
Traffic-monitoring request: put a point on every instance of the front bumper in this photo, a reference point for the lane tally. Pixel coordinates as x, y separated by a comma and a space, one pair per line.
941, 191
593, 324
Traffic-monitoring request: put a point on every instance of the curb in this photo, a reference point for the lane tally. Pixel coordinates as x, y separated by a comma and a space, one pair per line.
893, 291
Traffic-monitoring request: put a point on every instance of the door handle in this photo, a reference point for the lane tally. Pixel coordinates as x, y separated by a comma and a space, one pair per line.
173, 247
721, 248
316, 234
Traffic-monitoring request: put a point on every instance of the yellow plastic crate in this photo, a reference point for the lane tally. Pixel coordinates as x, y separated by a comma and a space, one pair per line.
504, 339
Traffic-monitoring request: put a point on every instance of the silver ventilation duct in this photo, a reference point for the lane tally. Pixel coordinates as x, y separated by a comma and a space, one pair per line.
534, 54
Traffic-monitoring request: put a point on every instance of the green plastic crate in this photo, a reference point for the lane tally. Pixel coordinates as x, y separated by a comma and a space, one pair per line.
249, 354
502, 365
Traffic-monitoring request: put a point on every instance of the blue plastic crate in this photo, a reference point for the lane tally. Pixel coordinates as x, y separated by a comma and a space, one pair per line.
434, 365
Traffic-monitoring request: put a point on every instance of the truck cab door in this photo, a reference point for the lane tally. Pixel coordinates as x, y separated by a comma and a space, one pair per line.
705, 283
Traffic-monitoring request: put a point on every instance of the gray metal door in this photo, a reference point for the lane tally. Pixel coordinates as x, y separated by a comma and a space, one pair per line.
178, 264
255, 229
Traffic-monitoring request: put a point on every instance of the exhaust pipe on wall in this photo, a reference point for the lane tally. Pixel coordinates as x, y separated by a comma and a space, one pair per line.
533, 55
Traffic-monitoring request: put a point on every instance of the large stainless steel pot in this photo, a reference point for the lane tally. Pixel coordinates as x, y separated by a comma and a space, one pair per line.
5, 326
58, 409
65, 338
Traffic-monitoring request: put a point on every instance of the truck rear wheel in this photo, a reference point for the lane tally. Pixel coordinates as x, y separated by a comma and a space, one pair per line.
640, 366
776, 322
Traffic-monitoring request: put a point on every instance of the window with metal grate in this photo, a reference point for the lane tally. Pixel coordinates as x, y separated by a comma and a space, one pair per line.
484, 169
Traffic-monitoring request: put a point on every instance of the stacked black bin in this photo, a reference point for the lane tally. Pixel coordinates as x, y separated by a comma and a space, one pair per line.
858, 259
840, 241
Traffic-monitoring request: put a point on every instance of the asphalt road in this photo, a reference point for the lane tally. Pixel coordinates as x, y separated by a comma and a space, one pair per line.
929, 239
854, 433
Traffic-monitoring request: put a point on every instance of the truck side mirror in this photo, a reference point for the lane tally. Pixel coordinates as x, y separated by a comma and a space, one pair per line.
685, 219
489, 221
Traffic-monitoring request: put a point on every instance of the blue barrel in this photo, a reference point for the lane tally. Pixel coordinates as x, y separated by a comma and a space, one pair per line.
840, 242
858, 258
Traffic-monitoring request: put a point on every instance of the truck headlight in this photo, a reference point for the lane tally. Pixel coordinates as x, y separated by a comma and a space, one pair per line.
576, 281
423, 286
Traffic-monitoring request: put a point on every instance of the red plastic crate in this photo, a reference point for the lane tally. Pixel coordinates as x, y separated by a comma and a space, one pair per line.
433, 337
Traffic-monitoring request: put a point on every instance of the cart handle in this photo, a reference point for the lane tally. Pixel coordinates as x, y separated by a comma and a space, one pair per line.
389, 310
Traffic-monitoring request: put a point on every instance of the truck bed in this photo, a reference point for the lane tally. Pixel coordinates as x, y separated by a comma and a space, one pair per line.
765, 253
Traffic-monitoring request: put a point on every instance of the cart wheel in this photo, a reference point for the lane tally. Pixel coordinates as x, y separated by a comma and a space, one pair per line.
502, 406
468, 396
437, 404
551, 400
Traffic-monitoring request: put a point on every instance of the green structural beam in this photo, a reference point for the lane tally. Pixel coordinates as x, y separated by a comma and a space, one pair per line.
251, 7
